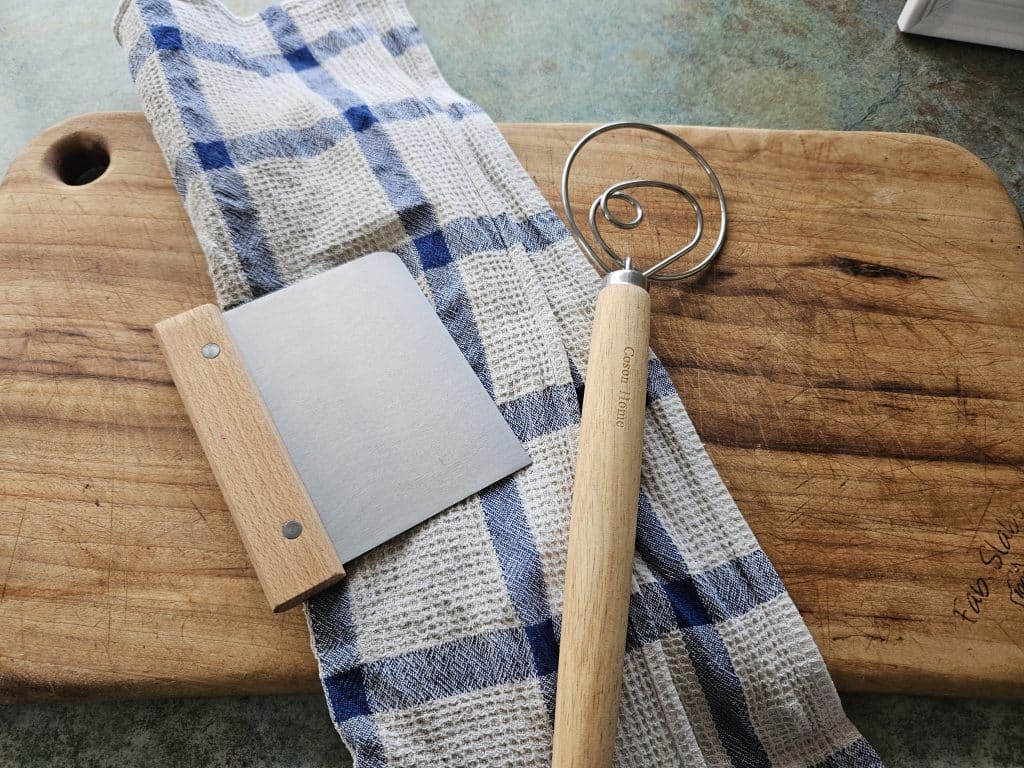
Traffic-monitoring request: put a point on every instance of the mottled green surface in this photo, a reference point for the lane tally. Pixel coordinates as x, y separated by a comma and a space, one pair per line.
911, 732
295, 731
801, 64
220, 733
829, 64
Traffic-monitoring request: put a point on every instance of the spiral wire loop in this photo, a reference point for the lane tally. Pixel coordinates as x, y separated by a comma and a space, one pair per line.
621, 192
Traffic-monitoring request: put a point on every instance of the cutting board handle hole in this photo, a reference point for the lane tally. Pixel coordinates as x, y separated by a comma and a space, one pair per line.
78, 158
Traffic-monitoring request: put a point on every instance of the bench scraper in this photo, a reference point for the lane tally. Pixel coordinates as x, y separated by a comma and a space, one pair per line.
336, 413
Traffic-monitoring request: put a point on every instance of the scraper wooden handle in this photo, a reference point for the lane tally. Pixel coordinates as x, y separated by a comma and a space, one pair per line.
602, 531
260, 484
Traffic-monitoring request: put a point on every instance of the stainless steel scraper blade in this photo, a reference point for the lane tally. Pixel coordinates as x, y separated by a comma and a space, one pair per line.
381, 415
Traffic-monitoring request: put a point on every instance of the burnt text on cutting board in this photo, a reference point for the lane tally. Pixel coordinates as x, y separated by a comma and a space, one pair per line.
1001, 555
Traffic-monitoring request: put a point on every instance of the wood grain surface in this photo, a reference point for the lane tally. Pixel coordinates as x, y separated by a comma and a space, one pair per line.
853, 363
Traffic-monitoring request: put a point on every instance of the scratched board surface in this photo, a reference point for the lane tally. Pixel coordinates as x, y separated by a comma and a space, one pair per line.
853, 364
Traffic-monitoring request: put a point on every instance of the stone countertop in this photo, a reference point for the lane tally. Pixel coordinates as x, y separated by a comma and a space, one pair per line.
278, 731
766, 63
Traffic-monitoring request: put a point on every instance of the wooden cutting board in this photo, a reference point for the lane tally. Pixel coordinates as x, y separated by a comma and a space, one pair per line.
854, 364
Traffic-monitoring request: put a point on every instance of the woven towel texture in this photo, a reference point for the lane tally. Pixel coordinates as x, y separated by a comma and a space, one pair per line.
321, 130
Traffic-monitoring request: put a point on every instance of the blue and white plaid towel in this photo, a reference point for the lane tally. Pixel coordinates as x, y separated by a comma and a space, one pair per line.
321, 130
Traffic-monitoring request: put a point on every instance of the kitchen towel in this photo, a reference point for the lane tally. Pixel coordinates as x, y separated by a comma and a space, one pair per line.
321, 130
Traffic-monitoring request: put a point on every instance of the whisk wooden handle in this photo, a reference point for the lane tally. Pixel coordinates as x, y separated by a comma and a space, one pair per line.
602, 531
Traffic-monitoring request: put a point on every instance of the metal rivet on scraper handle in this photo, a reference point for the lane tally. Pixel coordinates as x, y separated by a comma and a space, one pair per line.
292, 529
211, 350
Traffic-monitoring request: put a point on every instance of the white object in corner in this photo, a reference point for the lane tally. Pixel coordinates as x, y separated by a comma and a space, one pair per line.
990, 22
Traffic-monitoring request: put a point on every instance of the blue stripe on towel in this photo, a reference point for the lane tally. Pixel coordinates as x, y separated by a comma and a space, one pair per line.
691, 598
240, 216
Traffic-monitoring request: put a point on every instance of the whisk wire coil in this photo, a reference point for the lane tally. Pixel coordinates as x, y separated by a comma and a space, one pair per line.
604, 256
